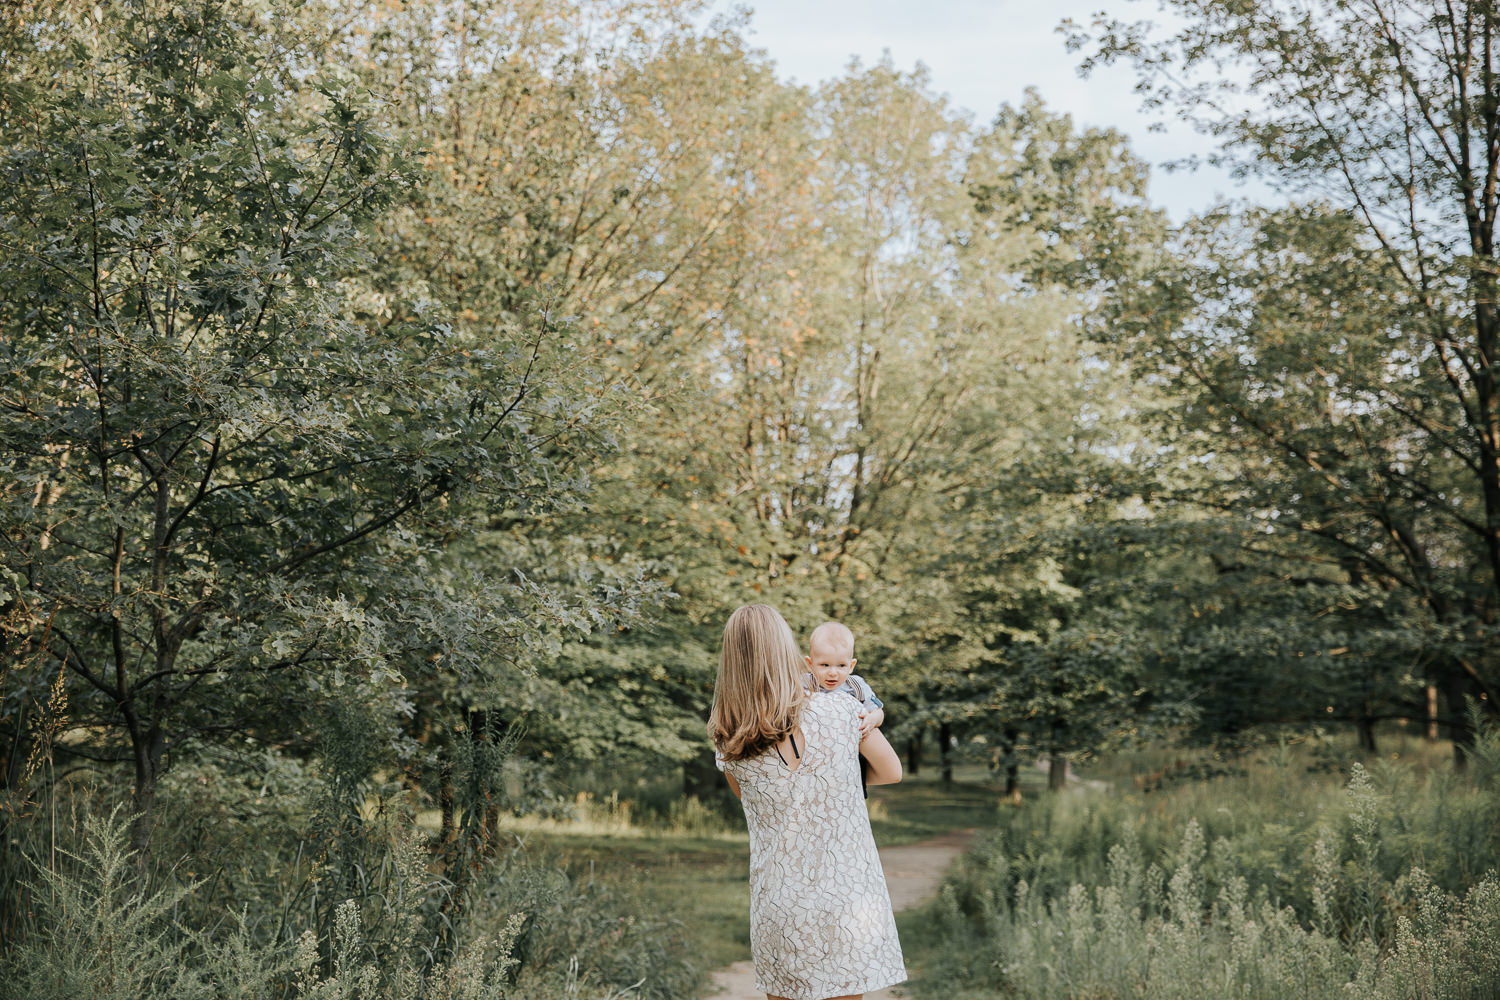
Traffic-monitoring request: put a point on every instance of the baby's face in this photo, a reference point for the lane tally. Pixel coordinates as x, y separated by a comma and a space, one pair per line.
831, 663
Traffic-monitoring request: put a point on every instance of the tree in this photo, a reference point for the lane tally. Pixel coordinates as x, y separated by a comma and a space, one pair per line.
1018, 537
1345, 351
230, 464
599, 175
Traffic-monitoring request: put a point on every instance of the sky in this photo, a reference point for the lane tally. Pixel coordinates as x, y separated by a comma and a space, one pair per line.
984, 53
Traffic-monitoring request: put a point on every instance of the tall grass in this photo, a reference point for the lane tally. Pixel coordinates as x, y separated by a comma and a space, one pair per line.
109, 937
245, 897
1271, 883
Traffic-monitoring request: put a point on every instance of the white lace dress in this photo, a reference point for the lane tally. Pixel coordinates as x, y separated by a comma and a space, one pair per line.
820, 914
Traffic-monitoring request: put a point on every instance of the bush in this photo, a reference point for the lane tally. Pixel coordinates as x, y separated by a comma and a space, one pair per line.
253, 909
110, 938
1280, 889
586, 937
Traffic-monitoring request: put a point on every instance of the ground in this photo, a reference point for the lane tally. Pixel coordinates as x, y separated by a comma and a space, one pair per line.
913, 873
700, 878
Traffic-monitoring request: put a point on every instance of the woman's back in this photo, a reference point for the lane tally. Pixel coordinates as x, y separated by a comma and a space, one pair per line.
820, 915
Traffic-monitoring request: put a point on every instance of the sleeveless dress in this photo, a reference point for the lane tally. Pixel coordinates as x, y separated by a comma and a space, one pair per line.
820, 914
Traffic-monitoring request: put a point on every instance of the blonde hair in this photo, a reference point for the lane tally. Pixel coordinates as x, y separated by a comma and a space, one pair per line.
831, 632
758, 695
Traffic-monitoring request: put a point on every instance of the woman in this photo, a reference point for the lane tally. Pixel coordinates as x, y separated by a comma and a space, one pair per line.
820, 915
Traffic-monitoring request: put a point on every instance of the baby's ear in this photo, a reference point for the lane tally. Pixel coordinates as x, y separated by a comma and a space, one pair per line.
852, 662
807, 660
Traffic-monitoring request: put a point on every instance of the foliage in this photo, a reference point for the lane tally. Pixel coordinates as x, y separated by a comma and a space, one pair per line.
1329, 365
110, 938
232, 465
394, 399
1265, 885
532, 930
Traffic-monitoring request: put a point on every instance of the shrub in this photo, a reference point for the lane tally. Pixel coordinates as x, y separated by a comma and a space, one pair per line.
96, 930
1280, 890
110, 938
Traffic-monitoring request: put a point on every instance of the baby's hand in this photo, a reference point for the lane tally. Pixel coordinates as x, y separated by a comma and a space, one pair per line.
870, 720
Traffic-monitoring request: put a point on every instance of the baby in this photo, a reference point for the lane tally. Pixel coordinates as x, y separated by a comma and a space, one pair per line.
830, 663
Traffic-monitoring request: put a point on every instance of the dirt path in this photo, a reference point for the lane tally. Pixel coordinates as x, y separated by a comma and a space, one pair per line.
912, 872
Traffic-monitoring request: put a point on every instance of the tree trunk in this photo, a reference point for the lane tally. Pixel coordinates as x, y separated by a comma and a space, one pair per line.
1057, 767
1012, 791
1057, 772
482, 783
1432, 713
1456, 691
914, 754
448, 831
147, 751
1366, 730
945, 745
1486, 422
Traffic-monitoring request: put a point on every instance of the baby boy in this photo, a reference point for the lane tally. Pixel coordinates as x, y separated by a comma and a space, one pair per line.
830, 663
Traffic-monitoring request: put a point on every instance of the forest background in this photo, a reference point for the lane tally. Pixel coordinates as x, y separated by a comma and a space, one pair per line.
395, 399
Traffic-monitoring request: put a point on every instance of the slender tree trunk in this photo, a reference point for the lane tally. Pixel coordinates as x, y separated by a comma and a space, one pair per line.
1456, 691
1487, 415
1057, 772
1432, 712
147, 770
1366, 730
448, 831
914, 754
481, 784
1057, 767
945, 746
1012, 793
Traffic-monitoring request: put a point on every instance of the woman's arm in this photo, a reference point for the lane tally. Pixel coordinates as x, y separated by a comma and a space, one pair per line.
885, 765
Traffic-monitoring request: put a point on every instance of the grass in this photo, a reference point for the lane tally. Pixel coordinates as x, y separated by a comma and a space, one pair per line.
1283, 871
1288, 871
702, 883
1257, 816
697, 871
922, 807
248, 885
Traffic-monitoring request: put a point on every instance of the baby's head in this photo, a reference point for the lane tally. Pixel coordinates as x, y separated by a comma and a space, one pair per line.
830, 655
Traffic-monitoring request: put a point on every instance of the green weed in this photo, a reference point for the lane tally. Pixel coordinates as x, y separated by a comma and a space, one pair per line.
232, 906
1268, 881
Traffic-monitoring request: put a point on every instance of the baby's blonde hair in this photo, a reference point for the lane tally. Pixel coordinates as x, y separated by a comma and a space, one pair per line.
832, 632
758, 696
